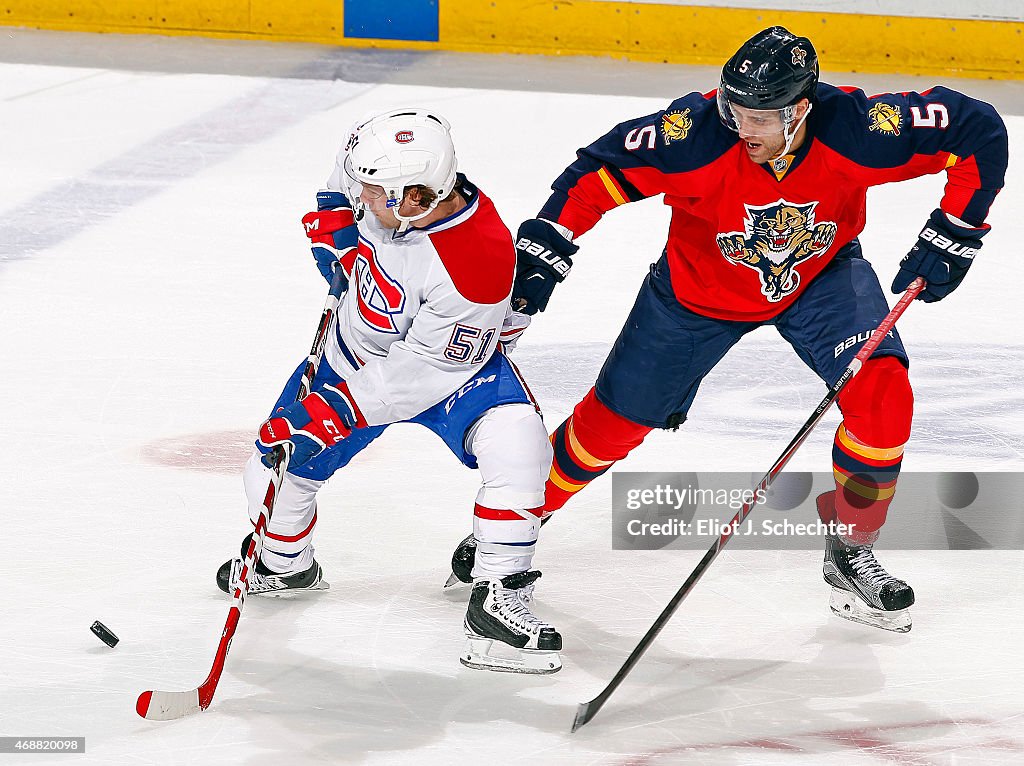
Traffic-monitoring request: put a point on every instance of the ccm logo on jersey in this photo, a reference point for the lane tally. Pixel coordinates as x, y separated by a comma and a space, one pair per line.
475, 383
945, 243
556, 262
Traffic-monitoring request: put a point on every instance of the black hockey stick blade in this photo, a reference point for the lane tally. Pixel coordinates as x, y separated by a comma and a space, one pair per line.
584, 712
587, 710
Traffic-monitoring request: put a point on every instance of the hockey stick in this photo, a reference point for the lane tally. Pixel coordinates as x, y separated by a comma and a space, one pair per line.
166, 706
587, 710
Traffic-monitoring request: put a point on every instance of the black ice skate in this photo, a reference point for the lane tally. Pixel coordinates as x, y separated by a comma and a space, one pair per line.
464, 559
499, 613
264, 581
462, 562
862, 590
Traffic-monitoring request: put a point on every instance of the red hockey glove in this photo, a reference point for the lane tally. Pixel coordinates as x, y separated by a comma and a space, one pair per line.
312, 424
332, 229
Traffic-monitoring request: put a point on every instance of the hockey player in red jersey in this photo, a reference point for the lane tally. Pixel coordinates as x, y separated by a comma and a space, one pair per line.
766, 179
419, 339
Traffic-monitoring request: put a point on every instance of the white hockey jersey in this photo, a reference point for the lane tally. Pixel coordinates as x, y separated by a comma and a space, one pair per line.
424, 309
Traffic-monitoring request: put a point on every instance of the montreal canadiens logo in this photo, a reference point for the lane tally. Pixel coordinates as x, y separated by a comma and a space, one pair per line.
404, 136
379, 298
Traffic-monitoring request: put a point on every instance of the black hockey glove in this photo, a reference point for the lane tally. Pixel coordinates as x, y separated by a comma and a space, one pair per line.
942, 255
542, 261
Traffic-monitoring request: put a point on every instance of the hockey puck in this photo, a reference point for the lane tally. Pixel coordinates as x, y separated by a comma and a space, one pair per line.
104, 634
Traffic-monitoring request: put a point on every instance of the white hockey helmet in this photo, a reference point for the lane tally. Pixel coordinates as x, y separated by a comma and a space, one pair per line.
398, 149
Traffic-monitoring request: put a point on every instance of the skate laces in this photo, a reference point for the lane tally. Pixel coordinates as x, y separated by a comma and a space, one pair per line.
514, 605
257, 582
867, 567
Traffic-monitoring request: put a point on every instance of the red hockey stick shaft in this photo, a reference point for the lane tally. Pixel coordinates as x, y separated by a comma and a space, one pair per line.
587, 710
162, 706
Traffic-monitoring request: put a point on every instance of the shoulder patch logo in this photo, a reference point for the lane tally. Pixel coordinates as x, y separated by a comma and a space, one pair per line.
775, 239
799, 56
675, 126
885, 119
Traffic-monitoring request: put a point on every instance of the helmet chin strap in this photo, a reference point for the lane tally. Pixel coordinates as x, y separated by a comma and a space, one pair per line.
791, 135
404, 221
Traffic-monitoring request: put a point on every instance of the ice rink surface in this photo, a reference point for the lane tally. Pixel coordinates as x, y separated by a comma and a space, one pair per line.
155, 291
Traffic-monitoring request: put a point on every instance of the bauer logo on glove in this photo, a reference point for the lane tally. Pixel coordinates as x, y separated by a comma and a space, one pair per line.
945, 243
561, 265
543, 259
944, 252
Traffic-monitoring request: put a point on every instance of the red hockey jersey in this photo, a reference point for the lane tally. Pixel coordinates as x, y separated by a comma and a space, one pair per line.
746, 239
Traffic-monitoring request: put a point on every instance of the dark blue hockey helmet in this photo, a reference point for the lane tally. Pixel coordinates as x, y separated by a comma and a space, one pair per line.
772, 70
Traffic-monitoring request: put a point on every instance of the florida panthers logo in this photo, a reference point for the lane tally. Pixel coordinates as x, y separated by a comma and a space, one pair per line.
775, 239
379, 298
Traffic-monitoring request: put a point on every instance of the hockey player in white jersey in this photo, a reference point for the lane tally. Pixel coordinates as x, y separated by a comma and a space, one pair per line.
419, 339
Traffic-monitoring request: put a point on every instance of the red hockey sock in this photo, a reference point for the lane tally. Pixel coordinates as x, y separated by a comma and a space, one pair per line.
585, 446
867, 452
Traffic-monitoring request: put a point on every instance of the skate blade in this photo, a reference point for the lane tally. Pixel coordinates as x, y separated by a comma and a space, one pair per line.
479, 655
451, 581
846, 605
288, 592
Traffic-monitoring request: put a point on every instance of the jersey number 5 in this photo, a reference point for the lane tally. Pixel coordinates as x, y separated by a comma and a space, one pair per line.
636, 138
936, 116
